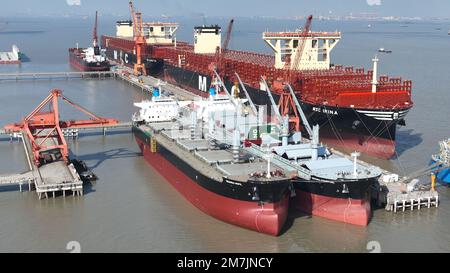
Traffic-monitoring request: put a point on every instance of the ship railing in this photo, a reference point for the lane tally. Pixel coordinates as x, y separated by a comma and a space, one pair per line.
281, 162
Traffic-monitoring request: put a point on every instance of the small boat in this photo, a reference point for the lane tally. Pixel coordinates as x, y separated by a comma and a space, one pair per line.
383, 50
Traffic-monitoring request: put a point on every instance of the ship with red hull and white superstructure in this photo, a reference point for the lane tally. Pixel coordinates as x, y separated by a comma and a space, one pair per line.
355, 108
89, 59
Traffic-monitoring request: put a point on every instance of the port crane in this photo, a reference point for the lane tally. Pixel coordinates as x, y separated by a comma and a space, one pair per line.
43, 128
139, 40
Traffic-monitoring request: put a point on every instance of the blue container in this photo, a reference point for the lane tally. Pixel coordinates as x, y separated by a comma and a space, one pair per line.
155, 92
212, 91
443, 175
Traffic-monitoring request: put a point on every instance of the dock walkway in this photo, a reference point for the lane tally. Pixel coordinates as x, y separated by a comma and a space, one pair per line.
55, 75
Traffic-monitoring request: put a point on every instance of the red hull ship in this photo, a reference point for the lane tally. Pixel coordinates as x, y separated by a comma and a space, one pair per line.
269, 218
91, 58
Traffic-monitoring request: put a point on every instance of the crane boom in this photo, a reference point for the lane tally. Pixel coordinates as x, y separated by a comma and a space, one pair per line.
94, 34
301, 46
227, 36
221, 53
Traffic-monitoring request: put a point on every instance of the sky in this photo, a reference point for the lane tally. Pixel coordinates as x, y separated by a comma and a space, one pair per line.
210, 8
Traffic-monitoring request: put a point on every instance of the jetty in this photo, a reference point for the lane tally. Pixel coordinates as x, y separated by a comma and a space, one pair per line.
43, 136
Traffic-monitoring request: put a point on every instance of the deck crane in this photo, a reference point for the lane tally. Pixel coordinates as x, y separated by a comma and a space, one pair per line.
94, 33
139, 40
44, 128
288, 103
294, 65
220, 55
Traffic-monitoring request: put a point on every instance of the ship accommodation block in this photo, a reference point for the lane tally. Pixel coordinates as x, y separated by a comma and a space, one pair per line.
316, 52
124, 29
207, 39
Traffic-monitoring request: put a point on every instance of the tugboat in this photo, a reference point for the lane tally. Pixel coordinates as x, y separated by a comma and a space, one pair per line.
91, 58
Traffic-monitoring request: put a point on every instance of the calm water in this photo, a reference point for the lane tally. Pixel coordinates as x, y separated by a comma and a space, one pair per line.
131, 208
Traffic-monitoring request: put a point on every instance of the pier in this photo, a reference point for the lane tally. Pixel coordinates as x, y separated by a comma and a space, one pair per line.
74, 131
147, 83
43, 136
55, 75
47, 179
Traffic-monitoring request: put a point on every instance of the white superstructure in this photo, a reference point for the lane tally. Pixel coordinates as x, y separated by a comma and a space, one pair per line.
316, 53
154, 32
207, 39
94, 54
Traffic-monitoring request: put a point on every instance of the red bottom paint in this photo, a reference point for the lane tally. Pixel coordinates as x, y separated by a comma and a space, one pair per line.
10, 62
81, 67
266, 218
351, 211
373, 146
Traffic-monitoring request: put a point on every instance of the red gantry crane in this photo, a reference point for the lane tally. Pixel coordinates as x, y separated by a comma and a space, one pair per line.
43, 128
139, 40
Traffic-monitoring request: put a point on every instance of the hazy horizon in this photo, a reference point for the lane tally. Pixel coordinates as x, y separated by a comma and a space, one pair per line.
237, 8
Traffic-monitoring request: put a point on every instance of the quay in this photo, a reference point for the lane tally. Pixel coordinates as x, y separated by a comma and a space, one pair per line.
147, 83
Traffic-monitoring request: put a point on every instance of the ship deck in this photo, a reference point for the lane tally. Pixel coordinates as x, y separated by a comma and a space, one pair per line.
210, 161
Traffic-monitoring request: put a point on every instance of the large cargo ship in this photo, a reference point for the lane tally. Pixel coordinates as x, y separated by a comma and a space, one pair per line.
89, 59
355, 108
222, 181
